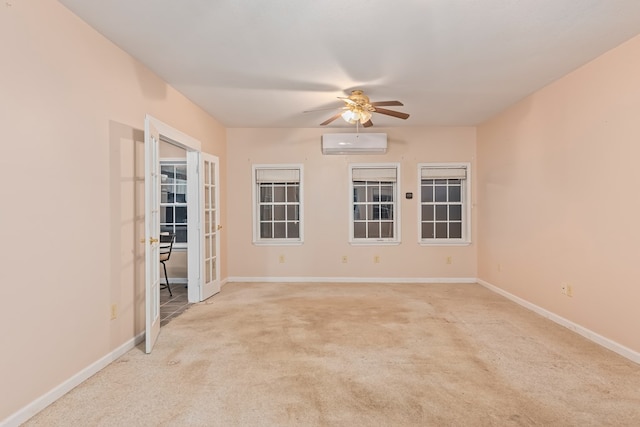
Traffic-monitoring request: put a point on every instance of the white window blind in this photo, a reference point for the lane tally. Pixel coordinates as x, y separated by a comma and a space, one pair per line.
374, 174
443, 173
277, 175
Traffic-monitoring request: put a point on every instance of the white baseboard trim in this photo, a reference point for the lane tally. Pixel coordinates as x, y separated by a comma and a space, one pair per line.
587, 333
353, 279
57, 392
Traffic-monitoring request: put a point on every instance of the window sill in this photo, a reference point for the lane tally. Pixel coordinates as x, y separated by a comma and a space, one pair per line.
444, 243
374, 243
278, 243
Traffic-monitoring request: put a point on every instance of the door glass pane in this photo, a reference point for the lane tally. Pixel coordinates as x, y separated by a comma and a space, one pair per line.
207, 247
181, 214
164, 193
168, 214
181, 194
181, 233
181, 174
207, 271
213, 196
207, 172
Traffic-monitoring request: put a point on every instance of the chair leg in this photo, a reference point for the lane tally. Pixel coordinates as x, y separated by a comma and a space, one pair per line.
166, 278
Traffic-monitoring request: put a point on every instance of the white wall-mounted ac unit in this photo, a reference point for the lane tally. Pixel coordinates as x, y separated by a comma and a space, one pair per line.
354, 143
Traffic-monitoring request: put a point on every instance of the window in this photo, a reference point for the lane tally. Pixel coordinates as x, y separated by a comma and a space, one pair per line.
173, 199
278, 207
444, 203
374, 207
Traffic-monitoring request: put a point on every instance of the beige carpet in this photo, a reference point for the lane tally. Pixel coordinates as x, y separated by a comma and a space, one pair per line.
358, 355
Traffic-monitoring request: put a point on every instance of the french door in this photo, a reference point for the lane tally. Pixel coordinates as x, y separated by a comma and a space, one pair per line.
203, 222
211, 228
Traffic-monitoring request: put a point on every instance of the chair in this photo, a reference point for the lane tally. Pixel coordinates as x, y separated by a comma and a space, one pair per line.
166, 246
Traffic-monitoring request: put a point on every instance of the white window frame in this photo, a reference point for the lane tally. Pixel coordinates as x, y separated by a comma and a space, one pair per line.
466, 205
396, 206
170, 161
257, 240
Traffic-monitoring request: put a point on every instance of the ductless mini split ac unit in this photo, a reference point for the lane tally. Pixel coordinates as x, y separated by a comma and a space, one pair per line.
354, 143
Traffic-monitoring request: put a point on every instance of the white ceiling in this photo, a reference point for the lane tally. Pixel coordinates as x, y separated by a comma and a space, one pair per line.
261, 63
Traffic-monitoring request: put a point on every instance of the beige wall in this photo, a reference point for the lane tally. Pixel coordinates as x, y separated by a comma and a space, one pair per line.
558, 196
326, 197
72, 112
555, 181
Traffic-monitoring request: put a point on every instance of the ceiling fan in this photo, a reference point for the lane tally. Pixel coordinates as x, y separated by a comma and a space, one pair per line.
358, 109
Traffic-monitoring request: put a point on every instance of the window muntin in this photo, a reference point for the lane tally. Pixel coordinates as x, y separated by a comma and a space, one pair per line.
278, 212
173, 200
444, 204
374, 208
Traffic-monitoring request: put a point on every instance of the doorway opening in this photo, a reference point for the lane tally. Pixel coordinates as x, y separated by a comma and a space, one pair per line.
198, 207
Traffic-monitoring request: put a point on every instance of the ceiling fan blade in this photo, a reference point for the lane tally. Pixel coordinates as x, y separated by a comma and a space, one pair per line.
323, 109
387, 104
330, 119
392, 113
348, 101
368, 123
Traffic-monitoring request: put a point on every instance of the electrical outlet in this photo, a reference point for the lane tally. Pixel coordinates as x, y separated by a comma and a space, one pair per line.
449, 260
376, 259
344, 259
114, 311
281, 259
566, 289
